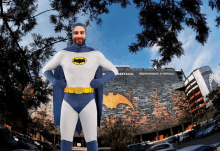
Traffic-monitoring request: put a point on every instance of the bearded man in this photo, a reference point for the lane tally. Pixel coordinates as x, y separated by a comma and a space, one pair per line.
78, 89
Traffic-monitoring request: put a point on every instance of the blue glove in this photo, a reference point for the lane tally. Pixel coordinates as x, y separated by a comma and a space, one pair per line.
95, 83
59, 83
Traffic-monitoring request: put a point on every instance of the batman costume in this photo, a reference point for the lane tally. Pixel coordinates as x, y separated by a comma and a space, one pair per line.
78, 91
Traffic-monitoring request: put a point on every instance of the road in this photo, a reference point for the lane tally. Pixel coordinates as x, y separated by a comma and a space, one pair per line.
207, 140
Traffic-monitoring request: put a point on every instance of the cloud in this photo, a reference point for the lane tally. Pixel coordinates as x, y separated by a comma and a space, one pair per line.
195, 56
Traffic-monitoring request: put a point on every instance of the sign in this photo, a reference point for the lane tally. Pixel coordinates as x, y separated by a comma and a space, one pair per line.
155, 73
146, 73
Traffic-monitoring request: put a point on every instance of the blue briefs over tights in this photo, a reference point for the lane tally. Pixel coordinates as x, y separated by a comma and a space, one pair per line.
78, 101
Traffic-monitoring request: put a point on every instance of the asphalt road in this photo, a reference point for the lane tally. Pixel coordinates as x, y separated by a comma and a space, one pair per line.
207, 140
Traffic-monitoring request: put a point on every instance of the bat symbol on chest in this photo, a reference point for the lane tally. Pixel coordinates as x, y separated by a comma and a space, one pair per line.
79, 60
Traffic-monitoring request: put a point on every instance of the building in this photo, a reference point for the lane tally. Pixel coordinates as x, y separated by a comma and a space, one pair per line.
198, 84
149, 98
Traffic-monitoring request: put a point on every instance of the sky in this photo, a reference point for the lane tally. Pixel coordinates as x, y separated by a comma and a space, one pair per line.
119, 29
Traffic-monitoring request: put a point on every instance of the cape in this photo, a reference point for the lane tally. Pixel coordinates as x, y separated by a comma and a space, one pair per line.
58, 93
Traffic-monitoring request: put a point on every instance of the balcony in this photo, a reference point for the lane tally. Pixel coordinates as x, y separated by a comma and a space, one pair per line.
193, 91
199, 113
196, 96
200, 106
190, 86
197, 101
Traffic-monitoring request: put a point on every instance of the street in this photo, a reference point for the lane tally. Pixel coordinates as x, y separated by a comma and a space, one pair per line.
213, 138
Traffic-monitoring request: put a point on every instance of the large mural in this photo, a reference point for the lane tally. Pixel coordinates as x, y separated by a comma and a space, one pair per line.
147, 99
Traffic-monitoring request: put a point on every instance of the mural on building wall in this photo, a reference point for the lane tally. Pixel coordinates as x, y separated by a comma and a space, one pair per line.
111, 101
149, 100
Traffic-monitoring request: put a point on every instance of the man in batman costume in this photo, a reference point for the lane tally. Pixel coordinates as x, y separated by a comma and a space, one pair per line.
78, 89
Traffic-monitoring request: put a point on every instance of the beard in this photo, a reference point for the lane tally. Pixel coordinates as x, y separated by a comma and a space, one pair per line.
83, 40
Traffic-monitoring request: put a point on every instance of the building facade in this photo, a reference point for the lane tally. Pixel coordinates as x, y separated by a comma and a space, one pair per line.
198, 84
148, 97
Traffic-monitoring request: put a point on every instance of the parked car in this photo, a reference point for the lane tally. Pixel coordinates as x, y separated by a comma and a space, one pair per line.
189, 135
24, 143
167, 149
216, 145
200, 131
199, 147
160, 147
7, 139
171, 139
56, 146
210, 128
139, 146
44, 146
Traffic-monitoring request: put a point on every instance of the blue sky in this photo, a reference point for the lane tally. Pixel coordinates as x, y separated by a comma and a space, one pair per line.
119, 29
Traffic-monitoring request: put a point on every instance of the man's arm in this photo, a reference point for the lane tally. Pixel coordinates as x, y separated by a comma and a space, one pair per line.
105, 63
51, 65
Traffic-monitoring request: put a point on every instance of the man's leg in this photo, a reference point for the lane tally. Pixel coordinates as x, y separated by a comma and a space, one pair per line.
88, 118
68, 121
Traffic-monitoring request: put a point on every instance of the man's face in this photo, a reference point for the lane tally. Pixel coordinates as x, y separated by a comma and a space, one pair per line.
79, 35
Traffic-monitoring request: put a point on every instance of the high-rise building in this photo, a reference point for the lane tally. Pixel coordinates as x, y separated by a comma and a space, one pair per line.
198, 84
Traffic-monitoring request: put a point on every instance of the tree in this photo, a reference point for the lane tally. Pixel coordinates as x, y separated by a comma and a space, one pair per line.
43, 124
20, 65
214, 95
118, 134
157, 63
186, 115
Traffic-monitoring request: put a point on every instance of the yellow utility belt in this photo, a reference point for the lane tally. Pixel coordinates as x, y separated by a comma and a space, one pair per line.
79, 90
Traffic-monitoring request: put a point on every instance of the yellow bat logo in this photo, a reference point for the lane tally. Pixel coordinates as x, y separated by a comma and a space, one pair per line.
79, 60
111, 101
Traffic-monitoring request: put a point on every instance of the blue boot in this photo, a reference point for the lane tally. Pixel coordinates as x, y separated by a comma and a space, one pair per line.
92, 146
66, 145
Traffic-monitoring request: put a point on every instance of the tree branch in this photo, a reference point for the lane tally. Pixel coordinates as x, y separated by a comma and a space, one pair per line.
14, 39
42, 13
52, 44
36, 15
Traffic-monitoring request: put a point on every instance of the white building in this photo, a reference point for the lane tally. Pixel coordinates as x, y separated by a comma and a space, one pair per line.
198, 84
